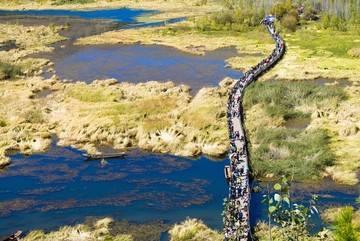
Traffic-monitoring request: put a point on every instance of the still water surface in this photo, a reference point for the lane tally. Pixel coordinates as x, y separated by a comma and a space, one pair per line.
60, 187
137, 63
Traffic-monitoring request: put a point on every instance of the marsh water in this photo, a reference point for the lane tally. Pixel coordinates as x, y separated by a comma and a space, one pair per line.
137, 63
60, 187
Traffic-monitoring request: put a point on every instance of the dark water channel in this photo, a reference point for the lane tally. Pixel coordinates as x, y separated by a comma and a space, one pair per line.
59, 187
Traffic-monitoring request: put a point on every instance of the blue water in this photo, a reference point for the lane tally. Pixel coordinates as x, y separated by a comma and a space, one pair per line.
120, 15
59, 187
138, 63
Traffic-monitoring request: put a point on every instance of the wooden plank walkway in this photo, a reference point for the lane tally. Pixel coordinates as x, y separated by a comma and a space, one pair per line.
236, 214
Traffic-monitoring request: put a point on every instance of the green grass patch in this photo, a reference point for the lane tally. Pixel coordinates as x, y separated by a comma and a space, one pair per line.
63, 2
281, 99
336, 42
94, 94
280, 150
301, 153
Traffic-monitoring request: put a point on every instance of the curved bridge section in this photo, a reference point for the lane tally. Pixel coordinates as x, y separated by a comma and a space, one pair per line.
236, 214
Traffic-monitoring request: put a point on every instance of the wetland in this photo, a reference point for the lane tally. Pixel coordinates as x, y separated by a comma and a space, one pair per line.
42, 181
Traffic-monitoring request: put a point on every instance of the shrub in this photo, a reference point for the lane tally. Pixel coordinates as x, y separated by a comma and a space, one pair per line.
345, 230
289, 21
8, 70
34, 116
3, 123
292, 219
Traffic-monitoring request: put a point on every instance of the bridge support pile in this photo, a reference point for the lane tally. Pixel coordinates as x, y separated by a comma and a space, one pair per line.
236, 214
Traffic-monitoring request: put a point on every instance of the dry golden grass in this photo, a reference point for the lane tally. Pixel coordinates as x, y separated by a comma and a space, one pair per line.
31, 39
79, 232
147, 115
193, 229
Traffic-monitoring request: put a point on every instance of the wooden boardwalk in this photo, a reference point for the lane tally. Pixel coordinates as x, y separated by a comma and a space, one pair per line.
236, 214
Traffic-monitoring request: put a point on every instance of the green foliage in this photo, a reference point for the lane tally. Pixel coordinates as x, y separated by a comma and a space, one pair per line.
8, 70
62, 2
345, 230
292, 218
281, 99
279, 9
98, 94
281, 150
236, 15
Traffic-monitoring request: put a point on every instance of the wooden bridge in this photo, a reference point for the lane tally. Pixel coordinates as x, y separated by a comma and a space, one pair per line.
236, 214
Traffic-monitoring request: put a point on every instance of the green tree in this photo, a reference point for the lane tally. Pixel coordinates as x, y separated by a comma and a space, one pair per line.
292, 218
345, 230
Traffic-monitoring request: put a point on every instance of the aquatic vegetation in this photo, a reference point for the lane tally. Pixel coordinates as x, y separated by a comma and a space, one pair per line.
193, 229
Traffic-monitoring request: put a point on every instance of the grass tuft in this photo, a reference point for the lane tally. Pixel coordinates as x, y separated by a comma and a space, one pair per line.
193, 229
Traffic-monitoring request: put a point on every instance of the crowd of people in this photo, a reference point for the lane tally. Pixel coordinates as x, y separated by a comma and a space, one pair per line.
236, 214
